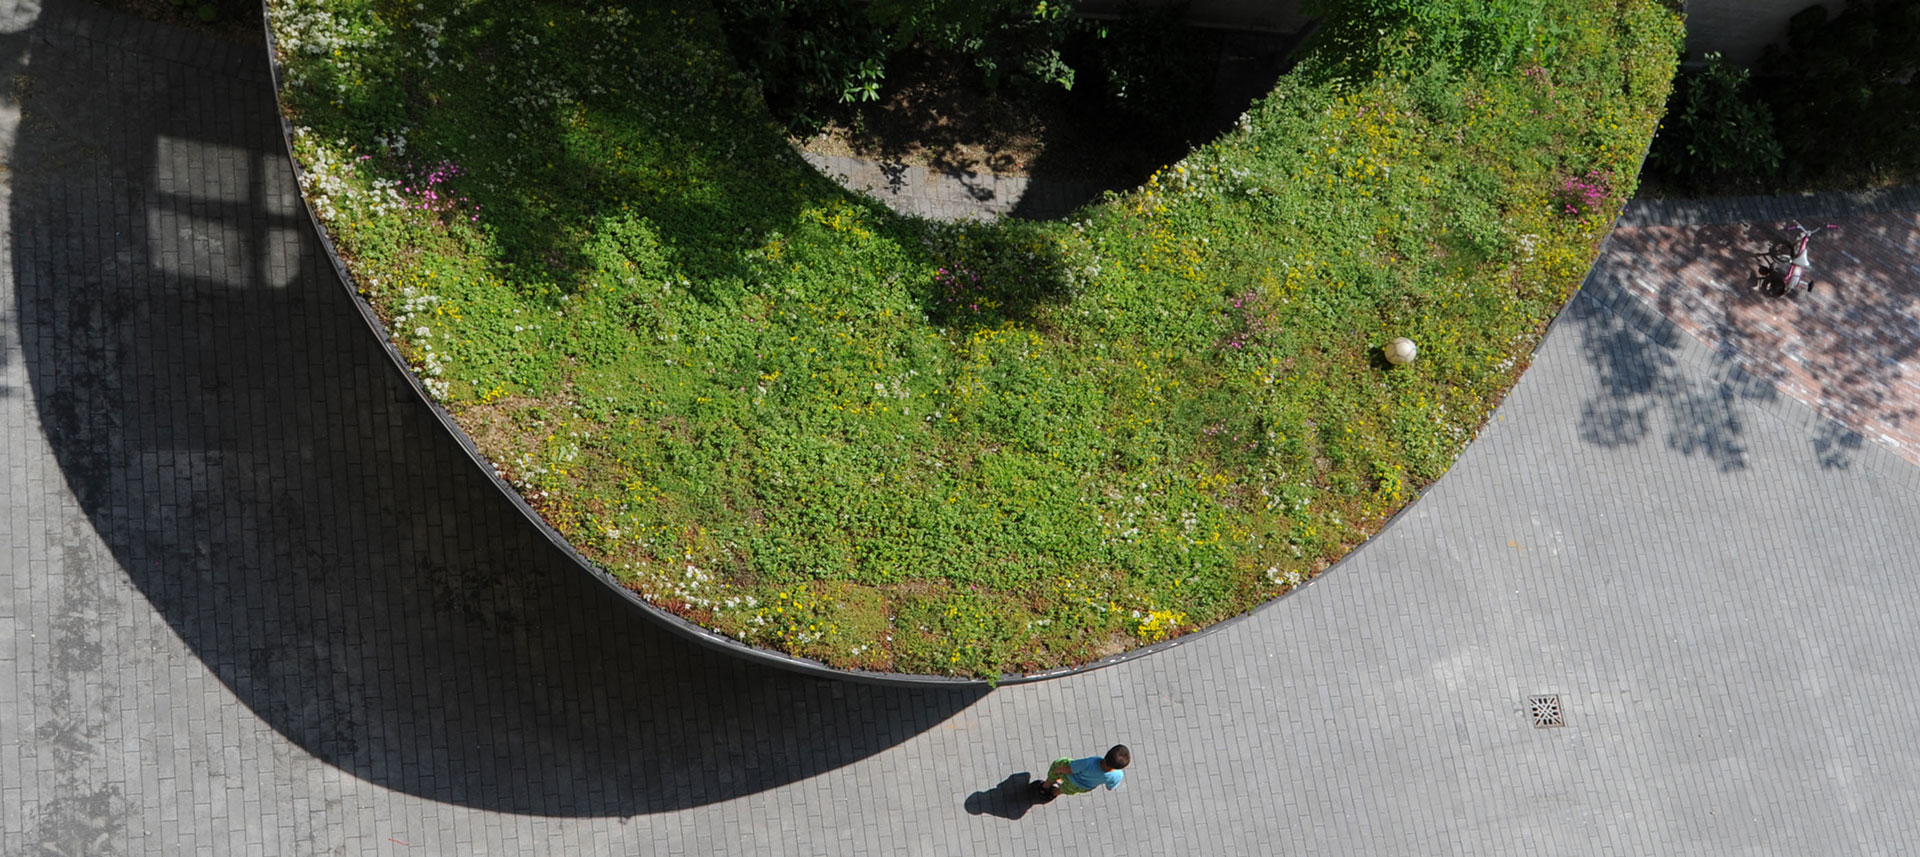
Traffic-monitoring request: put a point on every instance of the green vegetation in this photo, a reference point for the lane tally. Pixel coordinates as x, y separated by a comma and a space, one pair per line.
1360, 37
1844, 94
1834, 108
790, 415
812, 57
1716, 129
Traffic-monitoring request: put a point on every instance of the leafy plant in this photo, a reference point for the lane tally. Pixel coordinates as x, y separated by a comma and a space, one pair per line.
1411, 36
813, 57
809, 57
1716, 127
1149, 65
1012, 39
1844, 91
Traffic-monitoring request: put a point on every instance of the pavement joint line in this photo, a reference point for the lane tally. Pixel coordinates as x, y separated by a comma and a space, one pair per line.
283, 615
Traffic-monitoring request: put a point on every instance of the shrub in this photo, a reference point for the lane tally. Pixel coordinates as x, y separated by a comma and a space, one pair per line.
1150, 66
1844, 90
1715, 127
1014, 40
813, 57
808, 56
1409, 36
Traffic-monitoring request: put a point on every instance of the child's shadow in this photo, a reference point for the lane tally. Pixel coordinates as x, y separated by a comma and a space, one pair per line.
1010, 799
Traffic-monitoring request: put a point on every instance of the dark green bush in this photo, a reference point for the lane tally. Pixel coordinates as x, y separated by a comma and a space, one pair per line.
1016, 41
1848, 81
810, 57
1150, 64
814, 57
1715, 128
1409, 36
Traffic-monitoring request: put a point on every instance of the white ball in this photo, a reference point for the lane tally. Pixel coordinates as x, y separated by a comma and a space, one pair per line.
1400, 352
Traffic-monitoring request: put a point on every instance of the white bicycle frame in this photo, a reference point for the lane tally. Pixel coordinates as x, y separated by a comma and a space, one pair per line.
1799, 264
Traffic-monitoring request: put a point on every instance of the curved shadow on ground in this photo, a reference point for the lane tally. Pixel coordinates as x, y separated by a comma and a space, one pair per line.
272, 486
1248, 65
1088, 143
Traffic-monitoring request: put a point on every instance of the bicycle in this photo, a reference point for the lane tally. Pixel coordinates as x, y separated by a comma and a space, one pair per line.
1790, 267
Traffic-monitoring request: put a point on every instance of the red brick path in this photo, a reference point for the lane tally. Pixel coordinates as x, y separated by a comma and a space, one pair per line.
1850, 348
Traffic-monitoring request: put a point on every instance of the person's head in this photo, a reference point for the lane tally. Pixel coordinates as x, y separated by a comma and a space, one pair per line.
1118, 757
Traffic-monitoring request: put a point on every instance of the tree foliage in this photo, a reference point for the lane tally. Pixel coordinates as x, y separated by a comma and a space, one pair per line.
1410, 36
812, 56
1849, 77
1716, 128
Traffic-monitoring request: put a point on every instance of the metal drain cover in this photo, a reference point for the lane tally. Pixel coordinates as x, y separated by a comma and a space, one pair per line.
1545, 711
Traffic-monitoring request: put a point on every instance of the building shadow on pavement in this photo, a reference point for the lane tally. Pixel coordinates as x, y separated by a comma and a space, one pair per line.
272, 486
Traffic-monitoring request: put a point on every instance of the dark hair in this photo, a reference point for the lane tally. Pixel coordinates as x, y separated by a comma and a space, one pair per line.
1118, 757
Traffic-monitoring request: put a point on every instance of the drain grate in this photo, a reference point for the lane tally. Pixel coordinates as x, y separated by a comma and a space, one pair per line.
1546, 711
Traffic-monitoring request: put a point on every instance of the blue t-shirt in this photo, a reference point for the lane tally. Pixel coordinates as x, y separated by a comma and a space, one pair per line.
1087, 774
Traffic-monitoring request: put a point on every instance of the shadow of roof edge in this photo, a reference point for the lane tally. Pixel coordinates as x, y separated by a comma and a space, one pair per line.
672, 622
693, 631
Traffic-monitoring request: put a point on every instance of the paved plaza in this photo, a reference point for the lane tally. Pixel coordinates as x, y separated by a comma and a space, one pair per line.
255, 601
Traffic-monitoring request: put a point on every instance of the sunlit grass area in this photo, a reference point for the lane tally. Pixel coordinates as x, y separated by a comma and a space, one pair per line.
786, 413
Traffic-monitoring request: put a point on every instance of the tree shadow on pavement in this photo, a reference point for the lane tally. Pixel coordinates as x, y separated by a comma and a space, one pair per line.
1011, 799
1643, 391
278, 493
1849, 347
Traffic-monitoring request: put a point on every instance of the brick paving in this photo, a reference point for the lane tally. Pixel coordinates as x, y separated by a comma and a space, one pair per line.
254, 601
1849, 348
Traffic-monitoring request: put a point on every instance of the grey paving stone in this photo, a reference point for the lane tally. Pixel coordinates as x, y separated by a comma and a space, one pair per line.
955, 194
281, 613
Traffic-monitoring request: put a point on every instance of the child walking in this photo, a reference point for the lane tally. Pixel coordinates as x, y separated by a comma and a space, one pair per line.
1079, 776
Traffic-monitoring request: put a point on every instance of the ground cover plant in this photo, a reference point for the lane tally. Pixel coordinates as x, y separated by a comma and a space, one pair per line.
781, 411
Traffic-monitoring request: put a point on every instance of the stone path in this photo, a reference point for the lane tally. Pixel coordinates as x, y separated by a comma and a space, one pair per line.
955, 194
1249, 64
252, 601
1849, 347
